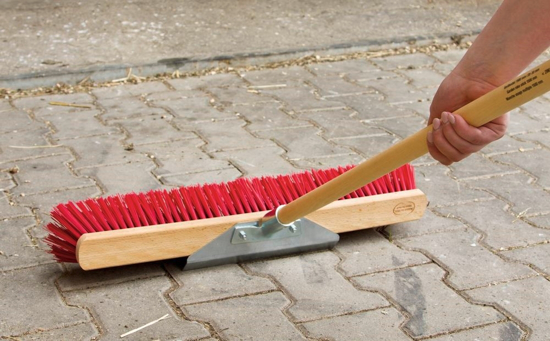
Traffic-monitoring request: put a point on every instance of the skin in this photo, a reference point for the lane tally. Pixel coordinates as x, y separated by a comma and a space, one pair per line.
515, 36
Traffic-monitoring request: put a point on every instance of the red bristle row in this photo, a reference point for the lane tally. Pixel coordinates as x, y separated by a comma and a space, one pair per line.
71, 220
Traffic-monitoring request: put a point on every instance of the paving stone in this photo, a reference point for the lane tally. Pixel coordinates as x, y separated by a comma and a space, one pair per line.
238, 96
213, 284
429, 303
19, 121
369, 146
85, 122
303, 142
102, 150
540, 221
541, 137
537, 110
515, 297
508, 144
17, 248
174, 95
258, 161
456, 249
318, 289
335, 85
397, 91
200, 178
126, 107
353, 66
266, 116
368, 252
441, 189
429, 223
293, 76
19, 145
405, 61
257, 317
502, 229
181, 157
229, 135
120, 308
531, 161
476, 165
302, 98
329, 161
34, 287
422, 78
75, 278
380, 324
153, 128
32, 172
43, 102
367, 106
341, 123
494, 332
128, 90
114, 179
402, 126
536, 255
519, 190
521, 122
10, 210
218, 81
81, 331
420, 107
191, 111
449, 56
6, 184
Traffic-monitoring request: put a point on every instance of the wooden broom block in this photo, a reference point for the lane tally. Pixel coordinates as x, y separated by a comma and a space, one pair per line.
153, 243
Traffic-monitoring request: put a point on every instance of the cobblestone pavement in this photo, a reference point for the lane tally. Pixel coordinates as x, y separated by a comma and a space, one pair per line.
475, 267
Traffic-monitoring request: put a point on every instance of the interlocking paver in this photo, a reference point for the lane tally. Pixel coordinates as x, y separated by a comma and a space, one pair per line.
259, 161
345, 67
369, 146
334, 85
63, 125
19, 121
405, 61
129, 90
367, 252
254, 317
456, 249
521, 122
78, 332
536, 255
302, 98
238, 96
328, 161
401, 126
379, 324
30, 302
531, 161
429, 303
398, 90
116, 108
191, 112
430, 223
205, 285
422, 78
293, 76
509, 144
114, 179
20, 145
200, 178
318, 289
41, 105
120, 308
213, 80
266, 116
494, 332
541, 137
501, 228
526, 299
477, 166
8, 209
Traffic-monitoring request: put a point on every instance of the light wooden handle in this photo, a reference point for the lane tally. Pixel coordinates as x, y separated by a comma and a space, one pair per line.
477, 113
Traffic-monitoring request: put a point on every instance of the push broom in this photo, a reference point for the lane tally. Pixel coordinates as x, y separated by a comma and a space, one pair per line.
270, 216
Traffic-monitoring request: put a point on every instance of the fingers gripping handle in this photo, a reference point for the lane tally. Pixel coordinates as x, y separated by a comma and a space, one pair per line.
496, 103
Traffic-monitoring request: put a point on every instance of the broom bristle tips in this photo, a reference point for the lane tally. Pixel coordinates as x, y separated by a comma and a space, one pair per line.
154, 207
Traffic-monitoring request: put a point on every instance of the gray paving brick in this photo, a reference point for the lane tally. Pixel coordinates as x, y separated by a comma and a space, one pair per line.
494, 332
405, 61
521, 122
205, 177
340, 68
259, 161
34, 287
19, 121
266, 116
398, 91
293, 76
329, 161
114, 178
238, 96
302, 98
226, 281
423, 78
369, 75
191, 111
429, 223
64, 125
449, 56
18, 250
367, 106
81, 331
6, 184
75, 278
540, 221
229, 135
420, 292
476, 165
5, 105
335, 85
515, 296
135, 303
128, 90
537, 110
9, 209
256, 317
19, 145
541, 137
508, 144
441, 189
519, 190
303, 142
369, 146
536, 255
456, 249
421, 107
41, 104
174, 95
531, 161
318, 289
380, 324
402, 126
367, 252
32, 172
502, 229
216, 80
120, 108
182, 156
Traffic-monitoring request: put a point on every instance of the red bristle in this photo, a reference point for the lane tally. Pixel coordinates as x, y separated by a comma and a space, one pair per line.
136, 212
79, 216
62, 255
152, 198
188, 203
60, 233
176, 197
113, 225
161, 200
248, 192
103, 225
199, 191
299, 185
60, 243
116, 211
309, 182
229, 204
73, 222
285, 188
89, 216
239, 191
272, 192
123, 210
235, 198
220, 199
149, 212
170, 202
263, 199
212, 202
197, 205
291, 185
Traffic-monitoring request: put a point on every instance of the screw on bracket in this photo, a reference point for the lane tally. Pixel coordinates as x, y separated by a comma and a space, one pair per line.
242, 234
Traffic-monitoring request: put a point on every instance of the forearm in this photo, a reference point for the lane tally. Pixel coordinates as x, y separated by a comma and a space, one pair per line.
517, 34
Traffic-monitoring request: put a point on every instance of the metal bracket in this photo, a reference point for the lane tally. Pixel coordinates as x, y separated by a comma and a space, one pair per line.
248, 241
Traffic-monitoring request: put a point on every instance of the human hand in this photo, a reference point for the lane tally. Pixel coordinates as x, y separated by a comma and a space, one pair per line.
452, 138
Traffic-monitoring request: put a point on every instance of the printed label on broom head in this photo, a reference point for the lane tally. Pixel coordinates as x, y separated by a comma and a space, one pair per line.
404, 208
